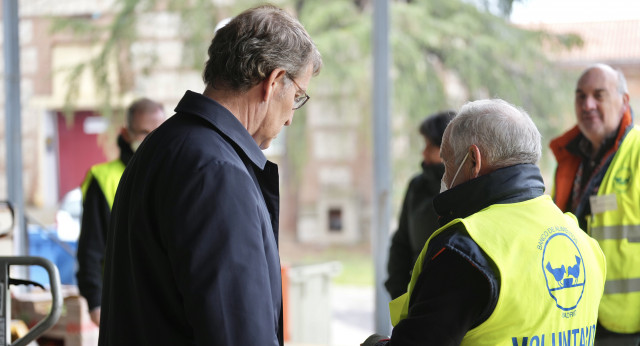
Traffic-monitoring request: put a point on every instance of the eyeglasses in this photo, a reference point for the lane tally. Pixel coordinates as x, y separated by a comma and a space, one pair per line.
299, 101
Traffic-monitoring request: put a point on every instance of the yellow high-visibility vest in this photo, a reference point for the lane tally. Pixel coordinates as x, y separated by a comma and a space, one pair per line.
551, 275
108, 176
615, 224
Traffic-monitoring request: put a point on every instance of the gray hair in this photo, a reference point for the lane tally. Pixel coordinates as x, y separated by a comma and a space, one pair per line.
253, 44
504, 134
141, 106
622, 83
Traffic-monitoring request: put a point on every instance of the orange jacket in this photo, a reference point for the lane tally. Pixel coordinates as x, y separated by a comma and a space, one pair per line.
568, 163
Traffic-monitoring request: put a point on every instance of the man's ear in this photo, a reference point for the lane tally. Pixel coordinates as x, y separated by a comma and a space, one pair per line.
476, 160
270, 84
625, 101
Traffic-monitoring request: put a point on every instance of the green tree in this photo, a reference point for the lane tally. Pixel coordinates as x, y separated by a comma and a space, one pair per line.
444, 53
117, 31
448, 52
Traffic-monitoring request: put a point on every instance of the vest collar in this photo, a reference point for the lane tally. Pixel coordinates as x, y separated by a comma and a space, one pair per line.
223, 120
505, 185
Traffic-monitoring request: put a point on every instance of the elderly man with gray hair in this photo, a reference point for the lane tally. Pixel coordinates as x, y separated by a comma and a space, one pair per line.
507, 267
192, 250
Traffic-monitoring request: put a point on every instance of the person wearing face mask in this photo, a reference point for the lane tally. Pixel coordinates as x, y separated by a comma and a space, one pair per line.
418, 219
507, 267
98, 192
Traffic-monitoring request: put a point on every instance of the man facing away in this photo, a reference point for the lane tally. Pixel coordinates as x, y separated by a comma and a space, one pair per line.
192, 252
596, 179
507, 267
418, 219
98, 192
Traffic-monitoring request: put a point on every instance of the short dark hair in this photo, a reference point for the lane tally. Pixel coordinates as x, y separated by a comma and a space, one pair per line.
253, 44
433, 126
141, 106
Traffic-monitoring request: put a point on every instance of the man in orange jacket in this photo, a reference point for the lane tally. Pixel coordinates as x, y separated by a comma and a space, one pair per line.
595, 180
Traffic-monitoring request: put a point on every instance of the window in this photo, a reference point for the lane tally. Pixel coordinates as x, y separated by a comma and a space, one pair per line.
335, 220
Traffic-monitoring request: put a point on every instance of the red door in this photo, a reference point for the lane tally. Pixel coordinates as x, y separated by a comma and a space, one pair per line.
77, 150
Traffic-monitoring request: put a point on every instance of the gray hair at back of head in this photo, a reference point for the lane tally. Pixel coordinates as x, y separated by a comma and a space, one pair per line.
141, 106
504, 134
622, 83
253, 44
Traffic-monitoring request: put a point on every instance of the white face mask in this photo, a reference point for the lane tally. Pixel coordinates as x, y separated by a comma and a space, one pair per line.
135, 145
443, 186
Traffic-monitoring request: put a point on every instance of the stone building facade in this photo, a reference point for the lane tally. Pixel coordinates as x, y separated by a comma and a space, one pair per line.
327, 202
326, 197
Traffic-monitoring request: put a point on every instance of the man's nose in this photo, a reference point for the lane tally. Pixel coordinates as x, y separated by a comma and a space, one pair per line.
589, 103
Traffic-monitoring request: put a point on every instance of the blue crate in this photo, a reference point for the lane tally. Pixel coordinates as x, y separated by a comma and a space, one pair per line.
45, 243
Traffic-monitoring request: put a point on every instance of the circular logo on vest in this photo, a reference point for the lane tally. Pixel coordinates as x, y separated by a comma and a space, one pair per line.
564, 271
622, 179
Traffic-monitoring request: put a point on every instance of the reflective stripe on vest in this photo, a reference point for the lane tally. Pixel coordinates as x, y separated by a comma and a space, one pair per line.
108, 177
622, 286
629, 232
551, 275
617, 229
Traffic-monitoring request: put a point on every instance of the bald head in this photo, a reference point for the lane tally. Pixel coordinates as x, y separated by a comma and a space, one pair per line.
616, 74
601, 99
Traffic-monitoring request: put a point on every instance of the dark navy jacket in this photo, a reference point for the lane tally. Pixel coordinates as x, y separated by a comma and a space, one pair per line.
192, 256
459, 284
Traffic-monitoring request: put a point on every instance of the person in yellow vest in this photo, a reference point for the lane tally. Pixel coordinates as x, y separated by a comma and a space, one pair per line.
98, 192
507, 267
595, 179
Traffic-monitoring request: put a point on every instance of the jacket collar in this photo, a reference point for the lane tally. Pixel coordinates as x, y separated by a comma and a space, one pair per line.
558, 145
505, 185
125, 150
223, 120
568, 163
432, 172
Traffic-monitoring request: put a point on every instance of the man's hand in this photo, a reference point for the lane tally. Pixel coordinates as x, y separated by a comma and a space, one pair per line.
95, 316
374, 339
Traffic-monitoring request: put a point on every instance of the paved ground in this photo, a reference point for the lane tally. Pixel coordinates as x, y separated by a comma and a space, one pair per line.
351, 299
351, 317
352, 314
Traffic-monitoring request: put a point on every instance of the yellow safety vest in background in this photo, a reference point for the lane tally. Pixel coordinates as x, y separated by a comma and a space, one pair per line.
615, 224
108, 176
551, 275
